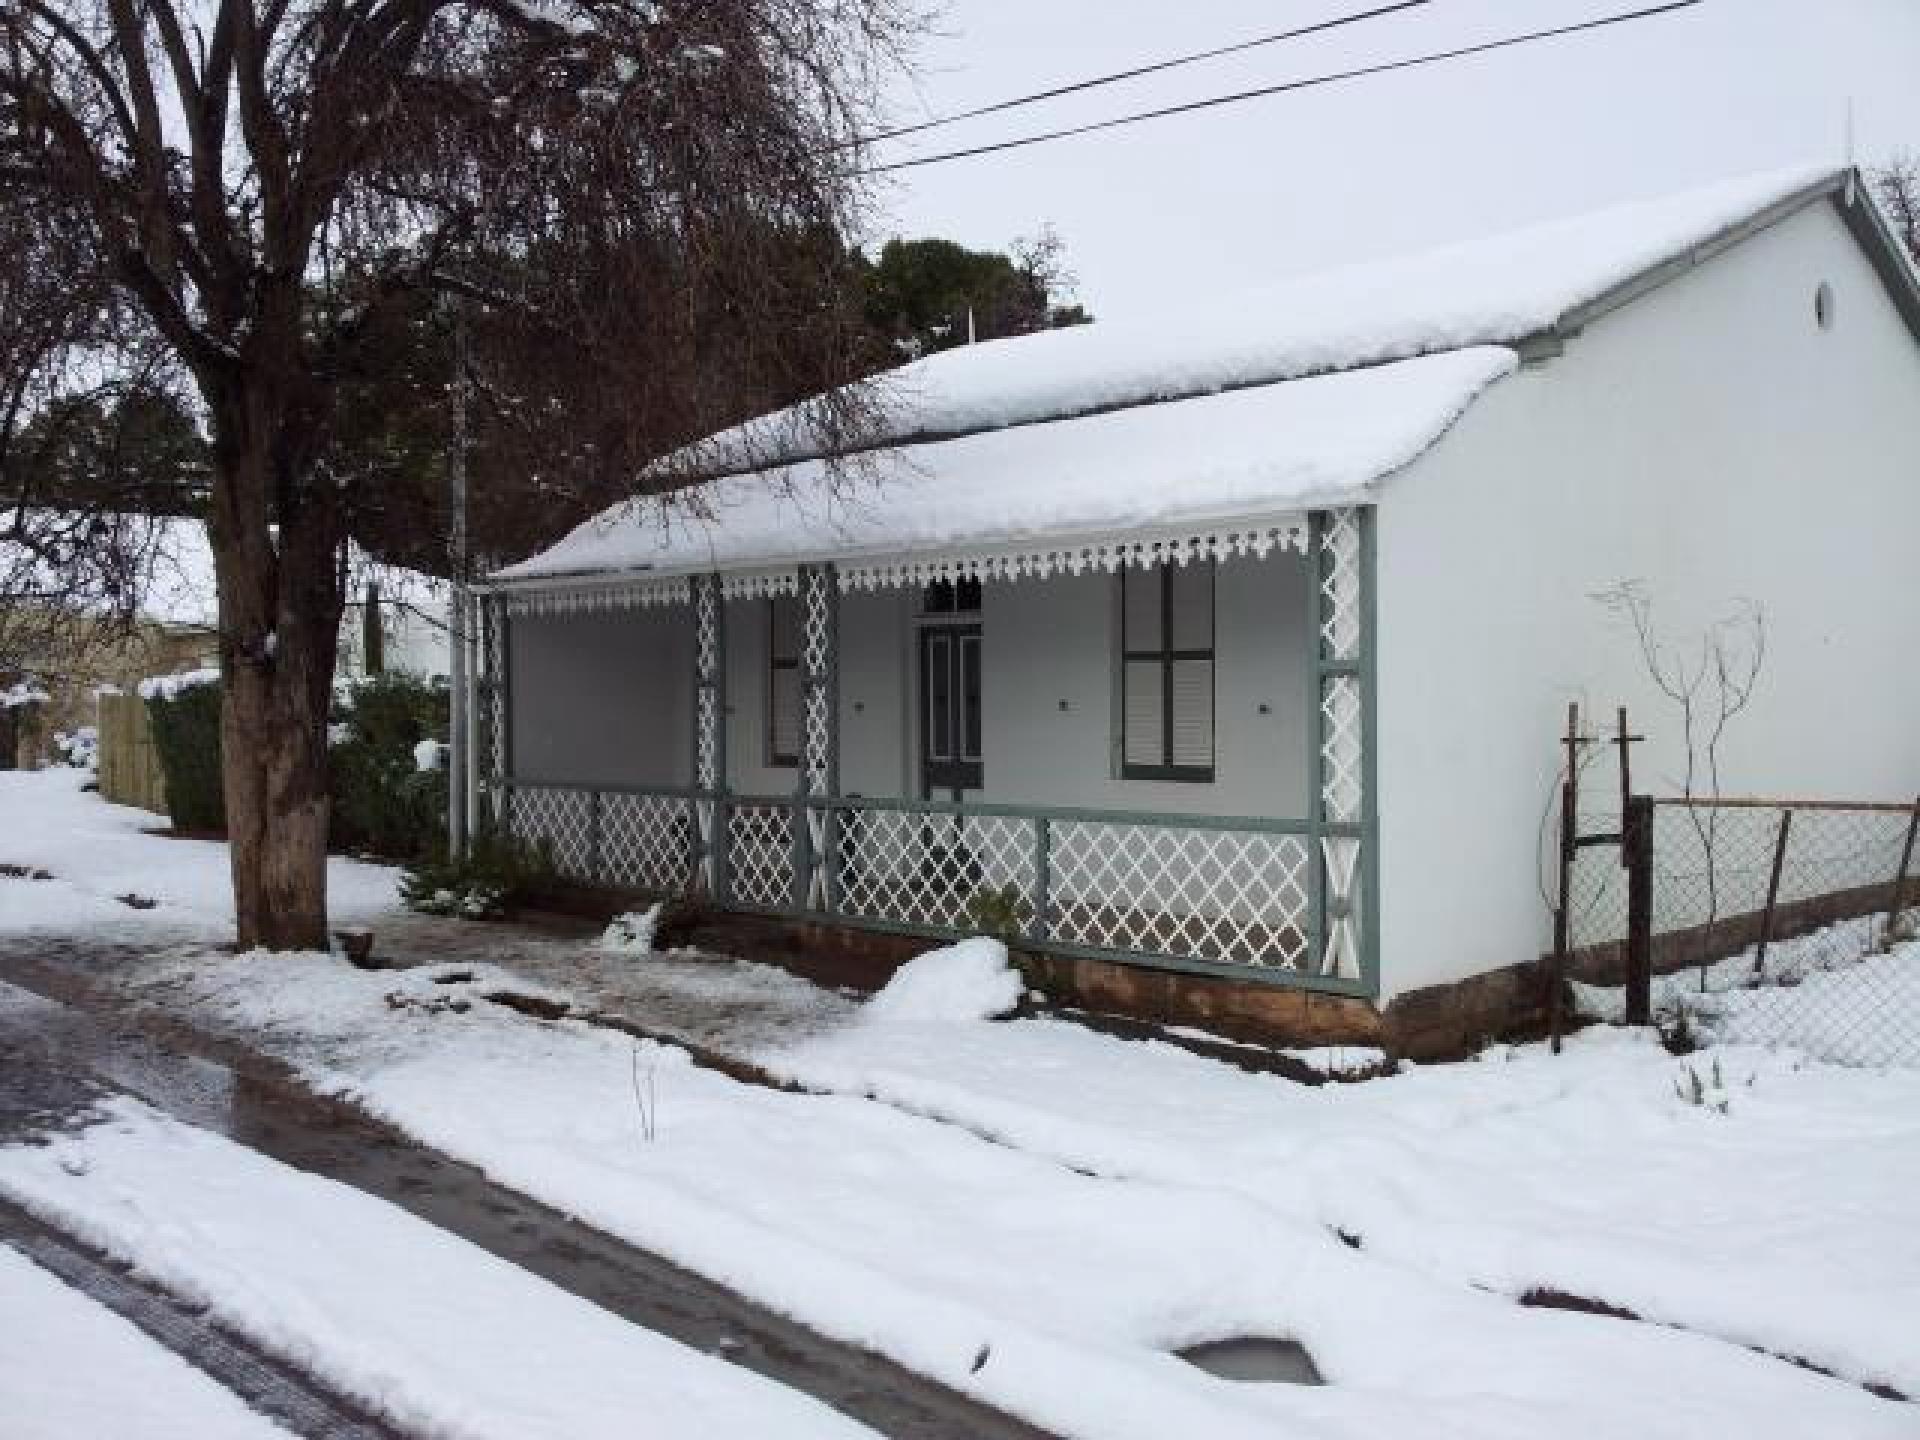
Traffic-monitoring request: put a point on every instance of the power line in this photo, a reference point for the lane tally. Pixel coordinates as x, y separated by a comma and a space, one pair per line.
1335, 77
1153, 68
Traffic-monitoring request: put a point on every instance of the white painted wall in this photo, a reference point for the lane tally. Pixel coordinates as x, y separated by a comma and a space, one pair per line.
1712, 441
1049, 722
873, 639
603, 698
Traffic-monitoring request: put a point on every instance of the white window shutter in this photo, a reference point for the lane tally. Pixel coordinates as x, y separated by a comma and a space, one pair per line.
1193, 713
1145, 707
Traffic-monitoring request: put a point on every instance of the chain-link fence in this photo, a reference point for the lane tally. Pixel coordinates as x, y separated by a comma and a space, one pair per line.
1762, 922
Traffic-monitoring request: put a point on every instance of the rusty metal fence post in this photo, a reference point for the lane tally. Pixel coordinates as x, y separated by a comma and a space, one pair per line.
1636, 845
1773, 891
1897, 899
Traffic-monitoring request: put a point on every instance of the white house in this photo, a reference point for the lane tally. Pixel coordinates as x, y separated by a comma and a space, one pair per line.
1236, 645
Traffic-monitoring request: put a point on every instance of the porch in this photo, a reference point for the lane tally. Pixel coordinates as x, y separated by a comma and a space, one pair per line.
1153, 749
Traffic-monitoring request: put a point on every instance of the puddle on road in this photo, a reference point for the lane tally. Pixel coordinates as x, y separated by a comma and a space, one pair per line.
1255, 1361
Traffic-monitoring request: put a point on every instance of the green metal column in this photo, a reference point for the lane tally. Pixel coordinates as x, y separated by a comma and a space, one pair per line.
710, 733
816, 827
494, 695
1343, 868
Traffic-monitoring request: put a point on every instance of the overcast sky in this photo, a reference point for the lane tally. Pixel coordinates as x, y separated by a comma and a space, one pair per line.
1219, 201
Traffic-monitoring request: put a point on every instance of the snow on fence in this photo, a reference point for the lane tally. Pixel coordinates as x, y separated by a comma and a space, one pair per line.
1793, 922
129, 769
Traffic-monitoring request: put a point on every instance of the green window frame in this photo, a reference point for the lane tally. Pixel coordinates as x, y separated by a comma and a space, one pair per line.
1167, 669
784, 703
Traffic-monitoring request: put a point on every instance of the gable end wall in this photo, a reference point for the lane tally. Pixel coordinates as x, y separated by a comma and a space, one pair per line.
1710, 440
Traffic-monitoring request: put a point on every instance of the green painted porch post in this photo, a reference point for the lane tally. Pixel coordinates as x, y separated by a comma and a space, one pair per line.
710, 732
496, 756
1369, 752
816, 828
1343, 868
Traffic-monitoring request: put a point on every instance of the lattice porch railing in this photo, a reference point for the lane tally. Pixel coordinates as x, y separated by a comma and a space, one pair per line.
1229, 895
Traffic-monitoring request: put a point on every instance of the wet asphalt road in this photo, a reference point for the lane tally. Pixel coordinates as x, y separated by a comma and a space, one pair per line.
62, 1047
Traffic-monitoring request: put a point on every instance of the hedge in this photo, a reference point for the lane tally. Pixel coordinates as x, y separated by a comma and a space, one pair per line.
383, 803
185, 720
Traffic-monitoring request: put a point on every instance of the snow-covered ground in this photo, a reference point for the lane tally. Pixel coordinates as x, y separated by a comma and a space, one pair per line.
70, 1368
424, 1329
1039, 1215
1837, 994
97, 852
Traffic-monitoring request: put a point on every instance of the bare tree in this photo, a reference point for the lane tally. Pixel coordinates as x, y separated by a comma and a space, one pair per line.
1897, 186
256, 191
1710, 679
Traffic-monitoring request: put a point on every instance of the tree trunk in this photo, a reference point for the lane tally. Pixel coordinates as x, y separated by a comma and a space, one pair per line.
281, 600
277, 810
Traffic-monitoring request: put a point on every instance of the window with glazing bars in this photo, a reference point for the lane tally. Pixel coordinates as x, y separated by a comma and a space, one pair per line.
1166, 672
783, 680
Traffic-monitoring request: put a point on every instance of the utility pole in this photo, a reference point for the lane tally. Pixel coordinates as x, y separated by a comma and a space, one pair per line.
459, 741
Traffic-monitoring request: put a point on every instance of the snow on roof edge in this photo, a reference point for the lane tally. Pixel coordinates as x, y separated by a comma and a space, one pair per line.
1613, 253
1271, 451
1462, 298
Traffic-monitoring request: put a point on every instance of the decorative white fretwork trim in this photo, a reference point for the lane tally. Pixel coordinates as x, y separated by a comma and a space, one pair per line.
583, 599
1035, 560
1076, 557
759, 584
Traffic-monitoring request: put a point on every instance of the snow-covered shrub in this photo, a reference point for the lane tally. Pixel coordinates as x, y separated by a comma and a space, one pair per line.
953, 985
183, 712
383, 802
22, 695
496, 875
172, 687
79, 747
631, 933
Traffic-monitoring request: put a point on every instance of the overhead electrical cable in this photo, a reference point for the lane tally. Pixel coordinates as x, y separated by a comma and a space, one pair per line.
1152, 68
1310, 82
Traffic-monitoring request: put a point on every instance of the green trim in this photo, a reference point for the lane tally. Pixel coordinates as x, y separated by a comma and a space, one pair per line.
1316, 736
1261, 824
1369, 753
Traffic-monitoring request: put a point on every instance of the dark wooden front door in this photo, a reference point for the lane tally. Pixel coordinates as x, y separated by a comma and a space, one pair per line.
950, 665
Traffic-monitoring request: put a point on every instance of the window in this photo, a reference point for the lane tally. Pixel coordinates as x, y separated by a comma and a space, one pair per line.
951, 597
1166, 680
783, 680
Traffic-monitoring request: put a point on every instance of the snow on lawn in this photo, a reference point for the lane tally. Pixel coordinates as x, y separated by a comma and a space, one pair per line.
432, 1333
97, 851
1785, 1224
951, 985
1832, 994
1057, 1295
70, 1368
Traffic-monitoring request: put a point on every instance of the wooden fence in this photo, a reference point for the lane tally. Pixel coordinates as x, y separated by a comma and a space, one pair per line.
130, 771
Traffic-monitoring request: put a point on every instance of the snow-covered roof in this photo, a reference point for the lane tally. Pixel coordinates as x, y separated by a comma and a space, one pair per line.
1302, 394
